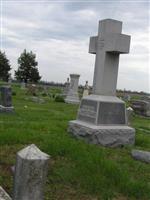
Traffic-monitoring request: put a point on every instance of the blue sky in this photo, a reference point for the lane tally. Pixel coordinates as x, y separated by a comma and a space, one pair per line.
58, 32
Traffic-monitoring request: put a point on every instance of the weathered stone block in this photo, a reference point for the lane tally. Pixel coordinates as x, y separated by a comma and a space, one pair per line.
143, 156
30, 174
112, 136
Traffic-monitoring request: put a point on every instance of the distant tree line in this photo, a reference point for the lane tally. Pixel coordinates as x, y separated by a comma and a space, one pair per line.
4, 67
27, 68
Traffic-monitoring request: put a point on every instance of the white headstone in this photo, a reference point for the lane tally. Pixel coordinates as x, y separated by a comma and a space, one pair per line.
129, 111
66, 89
73, 96
102, 116
30, 174
86, 90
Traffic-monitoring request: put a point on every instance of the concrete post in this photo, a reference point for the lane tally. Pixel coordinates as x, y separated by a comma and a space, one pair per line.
30, 174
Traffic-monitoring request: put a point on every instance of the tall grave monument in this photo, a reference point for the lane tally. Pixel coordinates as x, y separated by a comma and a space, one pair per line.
72, 96
102, 116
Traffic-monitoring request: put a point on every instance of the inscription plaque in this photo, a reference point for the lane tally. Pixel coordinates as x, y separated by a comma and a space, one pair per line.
111, 113
88, 111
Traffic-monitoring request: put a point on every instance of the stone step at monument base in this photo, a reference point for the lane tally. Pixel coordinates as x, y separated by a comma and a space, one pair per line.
72, 100
112, 136
4, 109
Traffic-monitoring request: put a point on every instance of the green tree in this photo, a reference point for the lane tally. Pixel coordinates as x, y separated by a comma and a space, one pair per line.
4, 67
27, 68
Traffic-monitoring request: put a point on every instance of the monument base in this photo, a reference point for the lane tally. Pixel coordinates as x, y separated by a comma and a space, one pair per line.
4, 109
111, 136
72, 100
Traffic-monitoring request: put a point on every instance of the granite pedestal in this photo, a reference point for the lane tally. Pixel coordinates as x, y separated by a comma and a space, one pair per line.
102, 120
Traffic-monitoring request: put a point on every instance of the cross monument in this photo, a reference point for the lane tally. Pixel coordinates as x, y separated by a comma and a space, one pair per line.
107, 46
102, 116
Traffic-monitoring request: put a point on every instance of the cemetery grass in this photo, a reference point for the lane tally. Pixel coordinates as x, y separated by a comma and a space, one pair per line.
76, 170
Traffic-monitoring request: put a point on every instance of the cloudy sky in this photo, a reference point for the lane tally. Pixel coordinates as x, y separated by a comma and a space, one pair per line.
58, 32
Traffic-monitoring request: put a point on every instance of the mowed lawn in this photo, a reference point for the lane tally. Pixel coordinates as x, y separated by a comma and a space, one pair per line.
76, 170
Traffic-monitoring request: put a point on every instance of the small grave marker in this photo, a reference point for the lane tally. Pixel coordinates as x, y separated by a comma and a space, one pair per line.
30, 174
72, 96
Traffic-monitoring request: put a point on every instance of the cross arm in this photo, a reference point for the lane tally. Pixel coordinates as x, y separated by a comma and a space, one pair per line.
93, 43
119, 43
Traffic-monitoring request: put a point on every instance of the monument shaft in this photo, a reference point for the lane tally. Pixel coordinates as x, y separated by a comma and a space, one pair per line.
107, 46
103, 84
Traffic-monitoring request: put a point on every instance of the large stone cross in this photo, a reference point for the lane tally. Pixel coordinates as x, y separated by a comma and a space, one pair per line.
107, 46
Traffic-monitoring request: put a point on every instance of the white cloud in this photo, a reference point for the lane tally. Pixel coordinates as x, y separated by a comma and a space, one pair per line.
86, 14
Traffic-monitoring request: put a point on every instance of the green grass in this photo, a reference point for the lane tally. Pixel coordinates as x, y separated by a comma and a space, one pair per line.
76, 170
